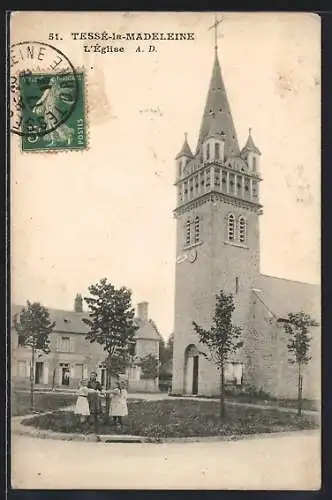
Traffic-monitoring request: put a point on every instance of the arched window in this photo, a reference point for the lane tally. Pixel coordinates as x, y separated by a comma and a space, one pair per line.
207, 151
231, 227
197, 229
242, 229
254, 163
216, 151
187, 238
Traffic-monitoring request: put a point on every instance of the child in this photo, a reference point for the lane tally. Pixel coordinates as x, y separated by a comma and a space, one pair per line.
118, 407
82, 403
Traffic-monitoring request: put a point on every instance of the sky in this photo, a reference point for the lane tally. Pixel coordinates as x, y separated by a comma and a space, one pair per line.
107, 212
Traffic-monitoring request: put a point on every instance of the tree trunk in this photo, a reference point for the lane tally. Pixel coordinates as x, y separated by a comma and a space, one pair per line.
108, 383
299, 391
32, 380
222, 392
53, 379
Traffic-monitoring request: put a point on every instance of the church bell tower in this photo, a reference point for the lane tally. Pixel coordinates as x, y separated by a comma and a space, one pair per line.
217, 235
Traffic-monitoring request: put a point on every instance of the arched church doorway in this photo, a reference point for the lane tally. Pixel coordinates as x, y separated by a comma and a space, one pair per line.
191, 367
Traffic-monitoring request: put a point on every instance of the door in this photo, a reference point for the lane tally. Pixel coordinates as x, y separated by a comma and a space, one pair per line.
65, 375
39, 372
195, 375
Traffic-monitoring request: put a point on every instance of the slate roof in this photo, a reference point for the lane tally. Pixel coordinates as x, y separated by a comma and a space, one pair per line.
71, 322
250, 145
185, 150
283, 296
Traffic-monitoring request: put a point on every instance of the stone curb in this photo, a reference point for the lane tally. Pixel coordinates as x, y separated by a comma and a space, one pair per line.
20, 429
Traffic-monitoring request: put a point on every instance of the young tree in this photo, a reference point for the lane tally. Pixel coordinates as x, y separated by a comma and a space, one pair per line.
222, 339
111, 323
149, 366
33, 326
297, 327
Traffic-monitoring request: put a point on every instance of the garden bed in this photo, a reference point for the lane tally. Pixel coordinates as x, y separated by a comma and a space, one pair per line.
180, 418
20, 402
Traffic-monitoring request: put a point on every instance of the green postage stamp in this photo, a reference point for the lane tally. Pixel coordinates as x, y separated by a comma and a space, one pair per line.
53, 112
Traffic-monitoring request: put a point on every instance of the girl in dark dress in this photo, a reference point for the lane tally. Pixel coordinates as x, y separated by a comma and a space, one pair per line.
95, 390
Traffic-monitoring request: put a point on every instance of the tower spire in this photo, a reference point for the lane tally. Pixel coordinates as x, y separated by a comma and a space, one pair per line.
217, 111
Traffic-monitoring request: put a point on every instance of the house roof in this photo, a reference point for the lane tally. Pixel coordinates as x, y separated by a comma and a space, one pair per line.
282, 296
71, 322
146, 331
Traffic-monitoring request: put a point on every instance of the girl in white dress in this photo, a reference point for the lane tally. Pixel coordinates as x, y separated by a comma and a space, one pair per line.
118, 407
82, 403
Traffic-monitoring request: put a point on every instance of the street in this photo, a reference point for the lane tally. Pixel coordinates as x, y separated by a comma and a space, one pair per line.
281, 462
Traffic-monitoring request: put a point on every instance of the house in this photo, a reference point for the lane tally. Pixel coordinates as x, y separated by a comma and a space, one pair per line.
72, 357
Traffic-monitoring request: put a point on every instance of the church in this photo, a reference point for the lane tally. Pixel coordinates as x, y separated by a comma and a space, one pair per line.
218, 248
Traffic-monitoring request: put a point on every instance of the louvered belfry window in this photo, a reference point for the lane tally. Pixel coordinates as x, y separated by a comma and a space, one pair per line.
187, 238
242, 229
197, 229
231, 227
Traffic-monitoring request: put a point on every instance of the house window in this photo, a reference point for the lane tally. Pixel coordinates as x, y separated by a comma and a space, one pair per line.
234, 373
197, 228
236, 285
21, 369
80, 370
242, 229
20, 340
187, 239
65, 344
217, 151
231, 227
254, 163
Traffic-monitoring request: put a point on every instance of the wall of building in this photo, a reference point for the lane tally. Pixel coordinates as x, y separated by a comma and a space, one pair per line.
192, 290
218, 265
267, 359
79, 356
144, 347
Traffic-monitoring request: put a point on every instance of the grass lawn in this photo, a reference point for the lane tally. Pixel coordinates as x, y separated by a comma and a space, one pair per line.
180, 418
307, 404
20, 402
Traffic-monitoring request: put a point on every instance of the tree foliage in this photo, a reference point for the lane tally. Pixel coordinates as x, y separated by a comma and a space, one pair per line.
111, 318
34, 326
165, 357
149, 366
298, 327
111, 324
222, 339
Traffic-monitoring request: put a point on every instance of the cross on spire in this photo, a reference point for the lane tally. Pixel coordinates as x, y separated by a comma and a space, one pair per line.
215, 28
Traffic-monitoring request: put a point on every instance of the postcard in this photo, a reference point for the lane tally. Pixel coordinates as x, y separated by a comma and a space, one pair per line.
165, 250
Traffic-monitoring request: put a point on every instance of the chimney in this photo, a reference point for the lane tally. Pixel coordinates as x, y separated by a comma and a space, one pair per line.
142, 311
78, 304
